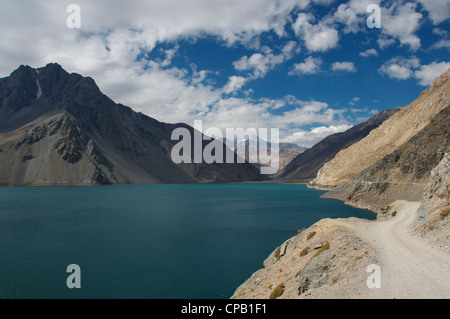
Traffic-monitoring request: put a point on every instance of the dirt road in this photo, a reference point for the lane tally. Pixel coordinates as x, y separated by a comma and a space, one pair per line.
409, 267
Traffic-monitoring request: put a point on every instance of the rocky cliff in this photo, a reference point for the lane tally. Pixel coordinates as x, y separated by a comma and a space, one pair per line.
324, 255
434, 211
402, 174
388, 137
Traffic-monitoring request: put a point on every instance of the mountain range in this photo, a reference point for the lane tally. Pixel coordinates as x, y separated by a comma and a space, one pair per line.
58, 128
304, 167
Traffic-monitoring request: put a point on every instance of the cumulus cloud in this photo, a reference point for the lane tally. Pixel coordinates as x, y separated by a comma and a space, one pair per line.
170, 53
317, 37
290, 49
239, 112
354, 101
234, 83
310, 66
343, 66
127, 28
116, 38
368, 53
444, 43
401, 21
439, 11
426, 74
385, 42
401, 68
309, 138
258, 64
353, 14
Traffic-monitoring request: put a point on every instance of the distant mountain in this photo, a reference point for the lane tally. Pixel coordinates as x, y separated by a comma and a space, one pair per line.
287, 152
305, 166
57, 128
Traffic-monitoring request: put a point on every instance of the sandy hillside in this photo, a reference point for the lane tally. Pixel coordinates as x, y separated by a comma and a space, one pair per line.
390, 135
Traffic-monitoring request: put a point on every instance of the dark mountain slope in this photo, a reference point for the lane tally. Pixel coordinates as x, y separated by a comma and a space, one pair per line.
58, 128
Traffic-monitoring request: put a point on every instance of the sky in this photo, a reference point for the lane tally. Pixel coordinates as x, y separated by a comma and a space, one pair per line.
308, 67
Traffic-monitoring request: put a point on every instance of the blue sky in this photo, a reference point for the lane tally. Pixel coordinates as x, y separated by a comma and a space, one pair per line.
308, 67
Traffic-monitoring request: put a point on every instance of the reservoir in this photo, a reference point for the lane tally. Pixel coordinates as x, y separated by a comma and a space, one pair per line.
184, 241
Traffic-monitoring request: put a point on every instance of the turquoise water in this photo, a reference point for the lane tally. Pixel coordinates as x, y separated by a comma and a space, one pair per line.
149, 241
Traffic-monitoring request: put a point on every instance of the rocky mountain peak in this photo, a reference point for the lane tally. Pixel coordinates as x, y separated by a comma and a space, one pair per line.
19, 89
59, 128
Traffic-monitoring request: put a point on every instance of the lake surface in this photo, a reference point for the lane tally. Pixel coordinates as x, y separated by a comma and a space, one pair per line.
149, 241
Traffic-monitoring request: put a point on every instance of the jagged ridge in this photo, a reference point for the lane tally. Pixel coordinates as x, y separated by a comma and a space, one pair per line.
65, 131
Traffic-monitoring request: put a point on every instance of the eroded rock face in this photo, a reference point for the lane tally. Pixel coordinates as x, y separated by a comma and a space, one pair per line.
73, 141
402, 174
321, 257
388, 137
433, 223
58, 150
437, 192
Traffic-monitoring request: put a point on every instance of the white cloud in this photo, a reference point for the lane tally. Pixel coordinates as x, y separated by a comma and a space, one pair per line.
401, 21
439, 10
401, 68
441, 44
310, 138
234, 83
115, 36
354, 101
240, 112
260, 63
170, 53
343, 66
368, 53
30, 29
439, 32
385, 42
426, 74
317, 37
290, 49
353, 14
257, 63
396, 71
310, 66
